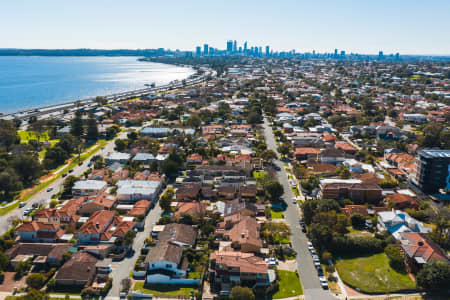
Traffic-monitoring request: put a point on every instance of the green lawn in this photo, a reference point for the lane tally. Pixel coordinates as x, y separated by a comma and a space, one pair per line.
258, 174
274, 214
373, 274
295, 191
26, 136
288, 285
163, 291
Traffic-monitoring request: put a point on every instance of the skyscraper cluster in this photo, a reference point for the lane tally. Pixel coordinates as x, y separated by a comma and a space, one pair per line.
232, 48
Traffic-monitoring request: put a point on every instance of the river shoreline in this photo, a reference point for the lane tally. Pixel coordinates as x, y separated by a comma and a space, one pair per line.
95, 86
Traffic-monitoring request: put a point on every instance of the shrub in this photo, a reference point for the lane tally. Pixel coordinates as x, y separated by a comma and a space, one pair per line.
395, 258
36, 281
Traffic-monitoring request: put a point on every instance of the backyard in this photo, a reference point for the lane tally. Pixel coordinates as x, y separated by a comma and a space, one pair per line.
373, 274
288, 285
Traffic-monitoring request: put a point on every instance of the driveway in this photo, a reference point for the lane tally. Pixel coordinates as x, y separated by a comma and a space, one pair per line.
308, 274
122, 269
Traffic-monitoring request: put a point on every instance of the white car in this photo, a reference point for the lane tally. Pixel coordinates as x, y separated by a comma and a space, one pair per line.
310, 248
315, 257
310, 244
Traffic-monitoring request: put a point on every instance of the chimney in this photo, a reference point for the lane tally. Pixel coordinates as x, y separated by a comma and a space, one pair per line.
242, 235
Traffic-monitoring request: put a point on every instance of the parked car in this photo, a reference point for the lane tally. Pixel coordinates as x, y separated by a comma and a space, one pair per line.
49, 190
64, 174
22, 204
294, 201
71, 170
323, 282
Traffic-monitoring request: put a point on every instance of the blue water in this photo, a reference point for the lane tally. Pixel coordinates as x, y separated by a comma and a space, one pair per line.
35, 81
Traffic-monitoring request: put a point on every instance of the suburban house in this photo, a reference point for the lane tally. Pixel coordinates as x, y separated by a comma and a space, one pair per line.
145, 158
130, 191
79, 270
243, 233
140, 208
419, 250
102, 226
96, 202
248, 191
242, 207
349, 210
401, 201
188, 191
193, 159
117, 157
45, 253
61, 216
195, 209
397, 221
166, 258
232, 268
346, 147
305, 153
39, 232
334, 156
88, 187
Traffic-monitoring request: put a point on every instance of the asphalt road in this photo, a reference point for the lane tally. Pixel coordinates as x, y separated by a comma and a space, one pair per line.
56, 186
305, 265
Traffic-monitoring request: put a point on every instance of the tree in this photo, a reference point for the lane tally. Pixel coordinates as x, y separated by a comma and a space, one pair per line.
268, 155
224, 110
54, 157
120, 145
254, 118
101, 100
434, 276
27, 167
110, 132
36, 281
76, 128
242, 293
92, 129
4, 261
186, 219
165, 201
284, 149
129, 237
9, 182
274, 190
68, 184
358, 221
396, 260
194, 121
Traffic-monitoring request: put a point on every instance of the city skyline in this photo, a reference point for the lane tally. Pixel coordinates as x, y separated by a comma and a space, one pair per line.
407, 27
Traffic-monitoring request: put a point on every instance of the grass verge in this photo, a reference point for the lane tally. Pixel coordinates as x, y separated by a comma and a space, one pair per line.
162, 291
288, 285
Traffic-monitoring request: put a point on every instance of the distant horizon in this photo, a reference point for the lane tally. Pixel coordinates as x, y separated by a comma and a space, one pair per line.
347, 52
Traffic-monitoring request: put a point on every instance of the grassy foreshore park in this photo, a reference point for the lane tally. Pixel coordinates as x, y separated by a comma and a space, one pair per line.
372, 274
38, 188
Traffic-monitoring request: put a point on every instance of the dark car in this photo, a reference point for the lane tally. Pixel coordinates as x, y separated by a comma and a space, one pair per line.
64, 174
71, 170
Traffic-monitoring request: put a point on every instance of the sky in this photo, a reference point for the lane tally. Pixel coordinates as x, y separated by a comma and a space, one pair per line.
359, 26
